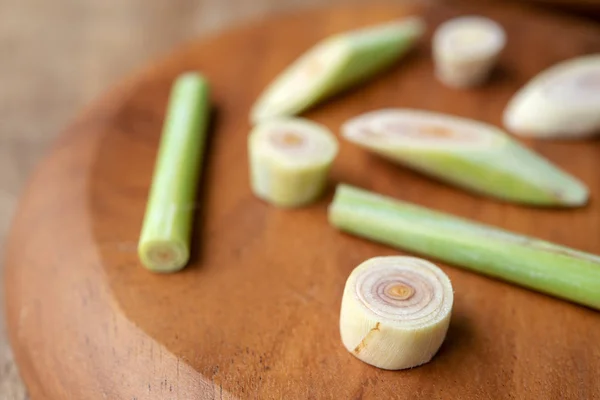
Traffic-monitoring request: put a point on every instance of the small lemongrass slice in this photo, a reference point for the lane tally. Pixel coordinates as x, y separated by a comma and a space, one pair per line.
334, 64
289, 160
395, 311
470, 154
560, 102
465, 49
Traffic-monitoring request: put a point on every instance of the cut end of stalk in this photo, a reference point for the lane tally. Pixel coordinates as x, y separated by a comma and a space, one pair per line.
407, 301
403, 290
294, 142
465, 49
289, 160
561, 102
293, 89
469, 37
163, 256
417, 129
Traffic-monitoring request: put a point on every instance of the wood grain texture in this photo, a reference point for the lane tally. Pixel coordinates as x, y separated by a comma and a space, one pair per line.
62, 54
256, 314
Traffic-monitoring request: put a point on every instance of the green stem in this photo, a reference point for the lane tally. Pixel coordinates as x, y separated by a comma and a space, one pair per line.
164, 244
546, 267
334, 64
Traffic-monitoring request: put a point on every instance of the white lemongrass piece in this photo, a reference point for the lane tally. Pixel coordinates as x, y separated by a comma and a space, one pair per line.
561, 102
395, 311
465, 49
289, 160
467, 153
334, 64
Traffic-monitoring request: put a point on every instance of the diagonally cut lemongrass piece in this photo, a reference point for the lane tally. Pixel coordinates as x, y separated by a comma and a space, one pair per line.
561, 102
535, 264
465, 49
469, 154
164, 244
395, 311
334, 64
289, 160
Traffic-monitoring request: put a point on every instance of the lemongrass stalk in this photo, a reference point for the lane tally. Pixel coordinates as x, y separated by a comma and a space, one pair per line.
535, 264
290, 159
164, 244
334, 64
561, 102
395, 311
465, 49
467, 153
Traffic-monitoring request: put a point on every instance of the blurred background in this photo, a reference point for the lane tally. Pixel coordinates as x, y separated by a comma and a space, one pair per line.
58, 55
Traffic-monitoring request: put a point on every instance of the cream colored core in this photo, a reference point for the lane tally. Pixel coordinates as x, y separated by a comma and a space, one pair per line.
401, 291
287, 140
162, 255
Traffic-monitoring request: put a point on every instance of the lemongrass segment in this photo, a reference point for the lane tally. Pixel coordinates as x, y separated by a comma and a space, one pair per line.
526, 261
561, 102
395, 311
334, 64
164, 244
289, 160
469, 154
465, 49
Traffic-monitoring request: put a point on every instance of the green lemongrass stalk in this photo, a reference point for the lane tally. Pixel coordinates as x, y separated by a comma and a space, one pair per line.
539, 265
164, 244
467, 153
334, 64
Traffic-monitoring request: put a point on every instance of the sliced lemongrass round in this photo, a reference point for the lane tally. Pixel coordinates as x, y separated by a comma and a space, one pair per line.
395, 311
289, 160
470, 154
561, 102
333, 64
465, 49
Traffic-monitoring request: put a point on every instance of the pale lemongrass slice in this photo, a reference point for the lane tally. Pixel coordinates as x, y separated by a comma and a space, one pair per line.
465, 49
395, 311
334, 64
289, 160
470, 154
561, 102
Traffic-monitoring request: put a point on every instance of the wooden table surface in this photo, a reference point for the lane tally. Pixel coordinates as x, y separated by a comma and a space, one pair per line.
58, 55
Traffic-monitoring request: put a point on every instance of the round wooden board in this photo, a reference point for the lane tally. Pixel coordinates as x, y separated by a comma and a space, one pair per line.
255, 315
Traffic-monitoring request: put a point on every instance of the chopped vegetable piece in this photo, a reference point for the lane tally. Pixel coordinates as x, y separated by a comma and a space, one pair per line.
561, 102
164, 244
469, 154
289, 160
334, 64
465, 50
395, 311
535, 264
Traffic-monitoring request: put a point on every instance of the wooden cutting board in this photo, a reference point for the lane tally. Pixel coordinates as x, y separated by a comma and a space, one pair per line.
255, 315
